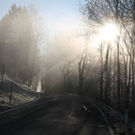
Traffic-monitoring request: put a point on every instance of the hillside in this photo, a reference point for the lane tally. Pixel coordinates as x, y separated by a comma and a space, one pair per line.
21, 93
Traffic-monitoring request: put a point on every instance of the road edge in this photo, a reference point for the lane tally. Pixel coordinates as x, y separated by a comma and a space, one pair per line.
105, 118
20, 106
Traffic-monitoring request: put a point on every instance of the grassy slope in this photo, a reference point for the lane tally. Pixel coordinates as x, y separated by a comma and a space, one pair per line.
21, 93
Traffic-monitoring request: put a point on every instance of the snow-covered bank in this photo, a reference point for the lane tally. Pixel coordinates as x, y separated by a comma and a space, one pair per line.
21, 93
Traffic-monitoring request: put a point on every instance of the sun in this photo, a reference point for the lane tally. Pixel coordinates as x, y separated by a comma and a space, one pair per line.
109, 32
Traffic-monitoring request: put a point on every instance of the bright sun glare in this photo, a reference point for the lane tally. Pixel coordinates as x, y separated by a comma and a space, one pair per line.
109, 32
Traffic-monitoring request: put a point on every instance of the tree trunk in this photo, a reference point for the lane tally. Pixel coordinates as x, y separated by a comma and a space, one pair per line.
101, 87
107, 76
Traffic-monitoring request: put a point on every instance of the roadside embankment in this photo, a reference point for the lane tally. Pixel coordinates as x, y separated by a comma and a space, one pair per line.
116, 119
21, 93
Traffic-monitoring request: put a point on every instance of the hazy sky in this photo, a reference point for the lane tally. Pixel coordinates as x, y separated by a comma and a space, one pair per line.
58, 14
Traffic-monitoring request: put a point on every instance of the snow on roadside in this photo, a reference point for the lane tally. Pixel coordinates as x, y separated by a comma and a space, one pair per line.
116, 119
21, 93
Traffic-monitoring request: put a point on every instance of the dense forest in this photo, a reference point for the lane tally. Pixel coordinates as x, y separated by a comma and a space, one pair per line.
113, 75
21, 33
77, 61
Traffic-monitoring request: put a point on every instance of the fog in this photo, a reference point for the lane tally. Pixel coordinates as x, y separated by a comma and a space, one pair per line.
94, 56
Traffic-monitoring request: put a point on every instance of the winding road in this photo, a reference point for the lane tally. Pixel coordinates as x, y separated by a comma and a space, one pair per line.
55, 115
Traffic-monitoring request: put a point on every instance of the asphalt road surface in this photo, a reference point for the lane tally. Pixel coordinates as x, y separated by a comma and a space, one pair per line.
55, 115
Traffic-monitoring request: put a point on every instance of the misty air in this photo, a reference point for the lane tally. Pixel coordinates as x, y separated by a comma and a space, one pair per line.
67, 67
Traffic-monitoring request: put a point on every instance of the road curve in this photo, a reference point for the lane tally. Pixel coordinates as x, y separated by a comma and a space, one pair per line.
55, 115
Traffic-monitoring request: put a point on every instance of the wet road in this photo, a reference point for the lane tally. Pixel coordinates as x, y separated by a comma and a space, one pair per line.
55, 115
